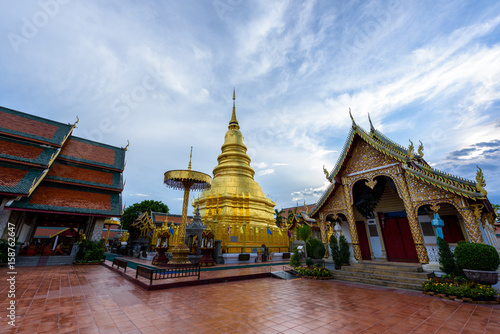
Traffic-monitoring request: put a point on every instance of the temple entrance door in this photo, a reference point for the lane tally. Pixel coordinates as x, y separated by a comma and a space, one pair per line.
398, 240
363, 241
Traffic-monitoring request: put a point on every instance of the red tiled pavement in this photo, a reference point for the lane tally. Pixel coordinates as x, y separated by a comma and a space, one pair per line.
94, 299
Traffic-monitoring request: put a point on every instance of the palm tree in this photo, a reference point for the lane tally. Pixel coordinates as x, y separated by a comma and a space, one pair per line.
304, 233
291, 214
496, 208
278, 217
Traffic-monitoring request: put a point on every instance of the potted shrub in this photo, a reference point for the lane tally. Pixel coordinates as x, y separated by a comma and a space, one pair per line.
447, 259
295, 259
344, 252
315, 249
90, 252
479, 262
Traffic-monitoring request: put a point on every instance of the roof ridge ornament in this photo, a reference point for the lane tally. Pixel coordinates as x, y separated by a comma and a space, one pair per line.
410, 151
326, 173
480, 182
421, 149
372, 128
352, 119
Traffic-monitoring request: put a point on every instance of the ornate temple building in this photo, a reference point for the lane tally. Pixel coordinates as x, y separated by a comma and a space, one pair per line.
235, 208
54, 180
384, 196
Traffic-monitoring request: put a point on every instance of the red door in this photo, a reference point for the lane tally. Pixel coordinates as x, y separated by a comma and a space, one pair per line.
452, 232
363, 241
398, 240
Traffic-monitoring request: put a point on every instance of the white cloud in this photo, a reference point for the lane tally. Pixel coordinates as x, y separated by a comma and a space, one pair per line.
268, 171
297, 68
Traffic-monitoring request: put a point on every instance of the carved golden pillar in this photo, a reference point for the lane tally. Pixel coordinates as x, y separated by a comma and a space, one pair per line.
383, 256
324, 236
350, 219
416, 232
471, 223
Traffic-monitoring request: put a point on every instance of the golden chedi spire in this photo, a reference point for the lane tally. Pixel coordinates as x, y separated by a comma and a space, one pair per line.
235, 200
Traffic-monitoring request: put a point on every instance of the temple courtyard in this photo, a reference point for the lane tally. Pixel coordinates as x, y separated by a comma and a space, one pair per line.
95, 299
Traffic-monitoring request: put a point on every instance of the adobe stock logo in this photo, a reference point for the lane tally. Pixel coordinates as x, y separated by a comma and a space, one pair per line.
32, 25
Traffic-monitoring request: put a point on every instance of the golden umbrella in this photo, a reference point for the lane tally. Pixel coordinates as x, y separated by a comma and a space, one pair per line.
186, 180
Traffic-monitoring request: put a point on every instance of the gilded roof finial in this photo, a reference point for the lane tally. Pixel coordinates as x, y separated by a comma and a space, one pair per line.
128, 144
421, 149
190, 156
480, 182
410, 151
352, 119
233, 123
372, 129
326, 173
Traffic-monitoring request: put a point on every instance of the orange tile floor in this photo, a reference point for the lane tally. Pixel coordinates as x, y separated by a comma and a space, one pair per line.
94, 299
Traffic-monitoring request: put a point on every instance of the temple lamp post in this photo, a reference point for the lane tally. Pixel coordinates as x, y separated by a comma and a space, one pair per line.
438, 223
185, 180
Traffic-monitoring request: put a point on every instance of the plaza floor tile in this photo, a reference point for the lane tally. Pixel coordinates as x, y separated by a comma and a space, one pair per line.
94, 299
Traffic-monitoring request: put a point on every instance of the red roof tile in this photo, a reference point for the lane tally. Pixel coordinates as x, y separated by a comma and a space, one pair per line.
52, 196
78, 173
87, 151
10, 176
19, 150
26, 125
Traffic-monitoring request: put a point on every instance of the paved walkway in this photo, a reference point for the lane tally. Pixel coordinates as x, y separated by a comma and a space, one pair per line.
94, 299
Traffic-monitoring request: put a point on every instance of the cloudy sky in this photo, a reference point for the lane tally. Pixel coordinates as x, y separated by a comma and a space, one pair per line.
161, 73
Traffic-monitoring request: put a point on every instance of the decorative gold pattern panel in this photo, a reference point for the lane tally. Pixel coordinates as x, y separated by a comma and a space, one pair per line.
472, 226
422, 191
366, 157
336, 203
352, 223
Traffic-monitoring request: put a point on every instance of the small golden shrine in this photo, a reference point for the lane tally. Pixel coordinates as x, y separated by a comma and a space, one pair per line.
384, 195
235, 208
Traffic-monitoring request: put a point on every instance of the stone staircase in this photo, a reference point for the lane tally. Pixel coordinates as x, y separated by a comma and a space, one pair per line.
42, 261
392, 274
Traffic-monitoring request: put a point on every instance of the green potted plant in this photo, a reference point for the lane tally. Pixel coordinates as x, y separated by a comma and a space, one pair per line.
447, 259
344, 252
295, 259
316, 250
90, 252
479, 262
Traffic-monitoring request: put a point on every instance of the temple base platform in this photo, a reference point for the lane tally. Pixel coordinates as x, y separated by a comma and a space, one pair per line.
208, 275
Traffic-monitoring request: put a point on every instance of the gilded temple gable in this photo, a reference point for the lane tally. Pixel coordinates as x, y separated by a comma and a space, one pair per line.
364, 151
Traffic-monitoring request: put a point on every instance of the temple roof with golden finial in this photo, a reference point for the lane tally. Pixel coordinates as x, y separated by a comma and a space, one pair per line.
411, 162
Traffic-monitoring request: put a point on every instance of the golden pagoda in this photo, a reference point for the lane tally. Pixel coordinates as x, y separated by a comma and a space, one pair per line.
235, 208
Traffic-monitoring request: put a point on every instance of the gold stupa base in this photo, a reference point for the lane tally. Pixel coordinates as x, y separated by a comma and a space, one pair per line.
180, 256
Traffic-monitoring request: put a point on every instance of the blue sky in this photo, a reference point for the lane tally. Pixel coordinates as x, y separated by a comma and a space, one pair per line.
160, 74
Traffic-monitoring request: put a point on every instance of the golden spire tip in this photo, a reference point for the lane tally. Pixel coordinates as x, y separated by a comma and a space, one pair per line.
190, 156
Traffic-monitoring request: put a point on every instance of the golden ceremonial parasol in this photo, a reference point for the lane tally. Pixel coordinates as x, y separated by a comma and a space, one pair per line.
186, 180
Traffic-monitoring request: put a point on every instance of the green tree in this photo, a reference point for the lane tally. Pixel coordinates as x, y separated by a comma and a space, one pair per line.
132, 212
496, 208
291, 214
304, 233
315, 248
447, 259
278, 217
345, 254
